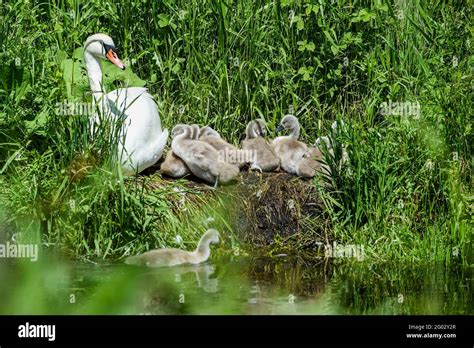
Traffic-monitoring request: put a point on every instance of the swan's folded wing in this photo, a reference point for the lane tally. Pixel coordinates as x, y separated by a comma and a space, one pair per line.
196, 154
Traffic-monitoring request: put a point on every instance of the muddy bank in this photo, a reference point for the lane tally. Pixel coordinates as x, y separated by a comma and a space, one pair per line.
275, 210
279, 210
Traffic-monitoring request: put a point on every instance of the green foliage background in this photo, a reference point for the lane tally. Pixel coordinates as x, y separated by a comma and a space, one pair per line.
406, 194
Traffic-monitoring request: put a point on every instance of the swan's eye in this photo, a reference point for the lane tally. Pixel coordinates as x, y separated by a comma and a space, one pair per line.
108, 48
111, 55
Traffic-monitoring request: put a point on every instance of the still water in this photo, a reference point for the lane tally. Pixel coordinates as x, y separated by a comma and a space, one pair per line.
243, 285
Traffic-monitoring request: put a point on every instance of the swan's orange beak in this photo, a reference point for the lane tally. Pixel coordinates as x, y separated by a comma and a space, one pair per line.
112, 56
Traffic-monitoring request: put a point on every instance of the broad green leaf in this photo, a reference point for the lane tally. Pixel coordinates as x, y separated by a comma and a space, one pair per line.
300, 24
77, 83
363, 15
163, 20
37, 125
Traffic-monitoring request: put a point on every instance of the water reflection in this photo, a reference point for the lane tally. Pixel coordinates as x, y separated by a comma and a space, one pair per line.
242, 285
202, 273
298, 286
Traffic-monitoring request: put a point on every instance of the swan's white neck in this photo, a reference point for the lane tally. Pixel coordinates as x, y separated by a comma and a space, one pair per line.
94, 73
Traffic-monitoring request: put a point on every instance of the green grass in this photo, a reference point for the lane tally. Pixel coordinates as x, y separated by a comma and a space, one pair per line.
406, 193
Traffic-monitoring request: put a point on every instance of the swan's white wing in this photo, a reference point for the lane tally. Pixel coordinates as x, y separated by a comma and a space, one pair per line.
144, 140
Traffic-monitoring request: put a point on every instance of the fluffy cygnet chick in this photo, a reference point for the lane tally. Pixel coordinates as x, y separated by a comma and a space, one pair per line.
229, 153
201, 158
344, 155
288, 149
322, 145
313, 158
173, 166
311, 163
264, 157
172, 257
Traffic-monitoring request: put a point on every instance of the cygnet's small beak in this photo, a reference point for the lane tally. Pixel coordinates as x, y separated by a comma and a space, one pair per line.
279, 129
112, 56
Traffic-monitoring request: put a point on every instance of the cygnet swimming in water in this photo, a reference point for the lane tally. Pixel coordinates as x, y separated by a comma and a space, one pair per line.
173, 257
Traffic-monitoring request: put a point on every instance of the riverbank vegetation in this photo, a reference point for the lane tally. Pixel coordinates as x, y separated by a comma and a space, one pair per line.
397, 74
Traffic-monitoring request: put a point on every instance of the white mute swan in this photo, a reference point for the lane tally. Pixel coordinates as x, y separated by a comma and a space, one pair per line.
142, 140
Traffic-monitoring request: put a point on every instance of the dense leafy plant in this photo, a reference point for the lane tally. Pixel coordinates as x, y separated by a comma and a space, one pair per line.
405, 191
